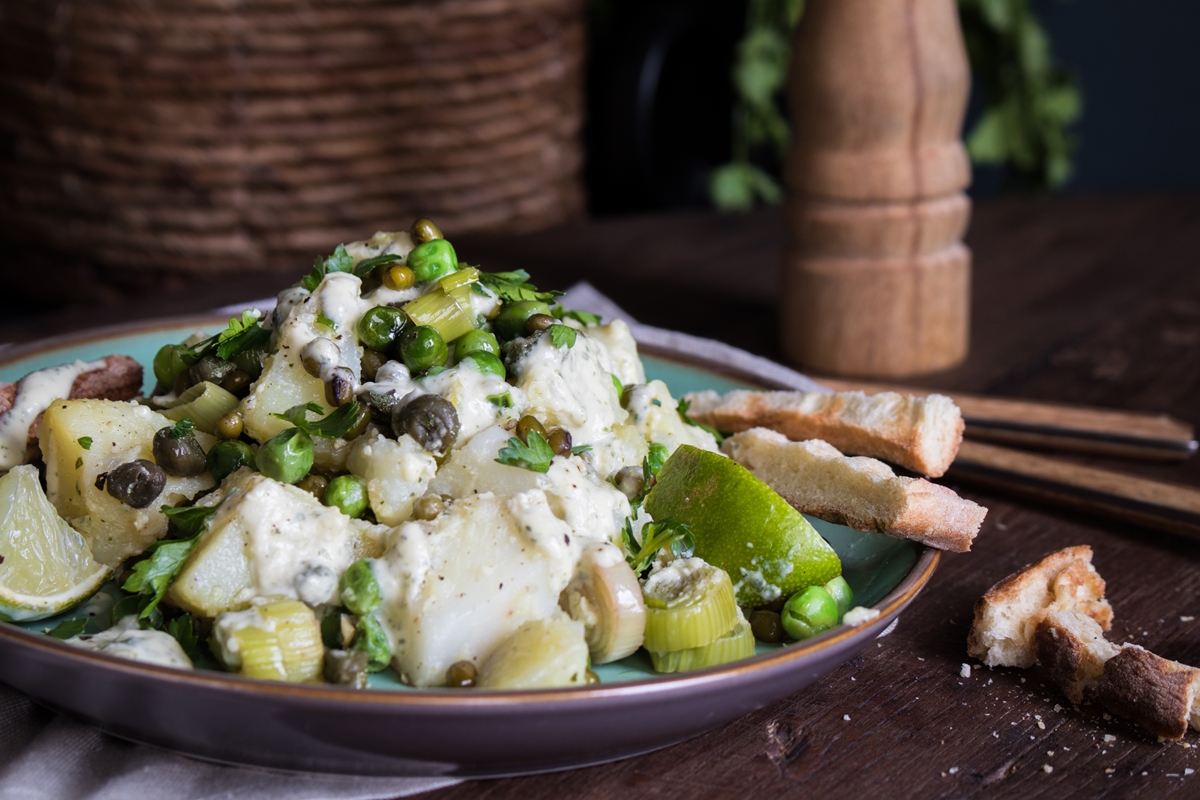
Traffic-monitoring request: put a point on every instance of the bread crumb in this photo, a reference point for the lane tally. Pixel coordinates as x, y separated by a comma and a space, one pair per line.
846, 717
1186, 619
1188, 771
1041, 725
1109, 771
1145, 773
1057, 708
1046, 768
953, 770
965, 671
1107, 716
1108, 737
1050, 753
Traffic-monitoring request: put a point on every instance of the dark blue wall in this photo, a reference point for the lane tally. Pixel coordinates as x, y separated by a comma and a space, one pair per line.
1138, 62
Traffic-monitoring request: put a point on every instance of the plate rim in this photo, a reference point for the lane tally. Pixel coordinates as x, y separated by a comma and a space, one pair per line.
918, 576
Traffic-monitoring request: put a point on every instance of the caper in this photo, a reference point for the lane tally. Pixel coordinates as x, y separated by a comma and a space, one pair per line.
474, 342
560, 441
251, 362
528, 424
422, 347
485, 362
360, 422
314, 485
137, 483
766, 625
461, 675
591, 678
379, 327
510, 323
428, 507
382, 405
230, 426
183, 382
227, 458
169, 362
346, 668
286, 457
539, 322
430, 419
399, 277
423, 230
211, 369
432, 260
348, 494
339, 389
237, 382
371, 361
178, 452
631, 481
318, 354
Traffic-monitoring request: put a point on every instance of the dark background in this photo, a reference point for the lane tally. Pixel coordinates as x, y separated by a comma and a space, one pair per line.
659, 97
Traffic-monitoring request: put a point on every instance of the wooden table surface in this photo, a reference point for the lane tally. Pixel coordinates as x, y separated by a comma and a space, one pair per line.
1081, 299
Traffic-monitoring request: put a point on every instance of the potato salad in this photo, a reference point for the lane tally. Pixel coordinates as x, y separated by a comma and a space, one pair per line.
409, 464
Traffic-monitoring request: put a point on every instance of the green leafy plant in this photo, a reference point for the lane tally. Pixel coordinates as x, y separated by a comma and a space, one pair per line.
1028, 100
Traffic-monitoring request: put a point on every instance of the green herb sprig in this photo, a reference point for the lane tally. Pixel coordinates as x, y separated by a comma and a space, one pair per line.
668, 533
337, 424
534, 455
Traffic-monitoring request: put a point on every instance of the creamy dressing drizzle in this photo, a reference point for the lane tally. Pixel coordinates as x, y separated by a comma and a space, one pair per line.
35, 392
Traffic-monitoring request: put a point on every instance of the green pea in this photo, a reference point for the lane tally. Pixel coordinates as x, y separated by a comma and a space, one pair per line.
422, 347
170, 362
372, 639
809, 612
228, 457
348, 494
487, 363
510, 322
432, 260
286, 457
360, 591
841, 593
380, 326
476, 341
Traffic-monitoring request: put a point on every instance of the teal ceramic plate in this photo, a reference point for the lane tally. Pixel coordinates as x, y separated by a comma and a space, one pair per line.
393, 730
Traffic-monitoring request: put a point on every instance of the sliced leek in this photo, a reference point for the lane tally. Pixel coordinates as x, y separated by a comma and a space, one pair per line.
463, 278
605, 596
203, 404
441, 311
279, 640
689, 603
733, 646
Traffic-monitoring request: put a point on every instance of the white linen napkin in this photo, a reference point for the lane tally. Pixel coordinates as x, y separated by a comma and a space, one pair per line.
47, 757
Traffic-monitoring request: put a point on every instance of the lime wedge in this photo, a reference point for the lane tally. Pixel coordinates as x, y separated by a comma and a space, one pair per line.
47, 566
742, 526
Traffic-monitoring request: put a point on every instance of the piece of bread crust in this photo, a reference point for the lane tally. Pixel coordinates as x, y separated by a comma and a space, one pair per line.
120, 378
1071, 651
1007, 615
918, 433
1152, 691
860, 492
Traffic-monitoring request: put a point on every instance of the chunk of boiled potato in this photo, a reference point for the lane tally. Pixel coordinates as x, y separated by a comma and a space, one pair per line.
396, 472
655, 414
268, 539
116, 433
284, 382
541, 654
455, 587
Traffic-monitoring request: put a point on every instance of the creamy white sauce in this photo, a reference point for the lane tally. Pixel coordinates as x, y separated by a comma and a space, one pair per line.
858, 615
35, 392
126, 640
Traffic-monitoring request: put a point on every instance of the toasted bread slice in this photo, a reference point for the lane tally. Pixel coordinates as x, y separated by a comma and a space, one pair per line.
918, 433
1071, 651
1158, 694
1008, 614
860, 492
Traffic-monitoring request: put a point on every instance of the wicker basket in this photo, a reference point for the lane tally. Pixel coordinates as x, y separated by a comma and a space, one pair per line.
199, 137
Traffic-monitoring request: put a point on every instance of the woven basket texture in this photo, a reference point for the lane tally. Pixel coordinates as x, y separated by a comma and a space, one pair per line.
199, 137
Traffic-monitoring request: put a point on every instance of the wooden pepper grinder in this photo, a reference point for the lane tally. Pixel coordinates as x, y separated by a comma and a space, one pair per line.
876, 278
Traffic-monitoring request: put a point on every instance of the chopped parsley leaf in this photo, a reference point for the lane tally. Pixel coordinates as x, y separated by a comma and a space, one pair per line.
535, 455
